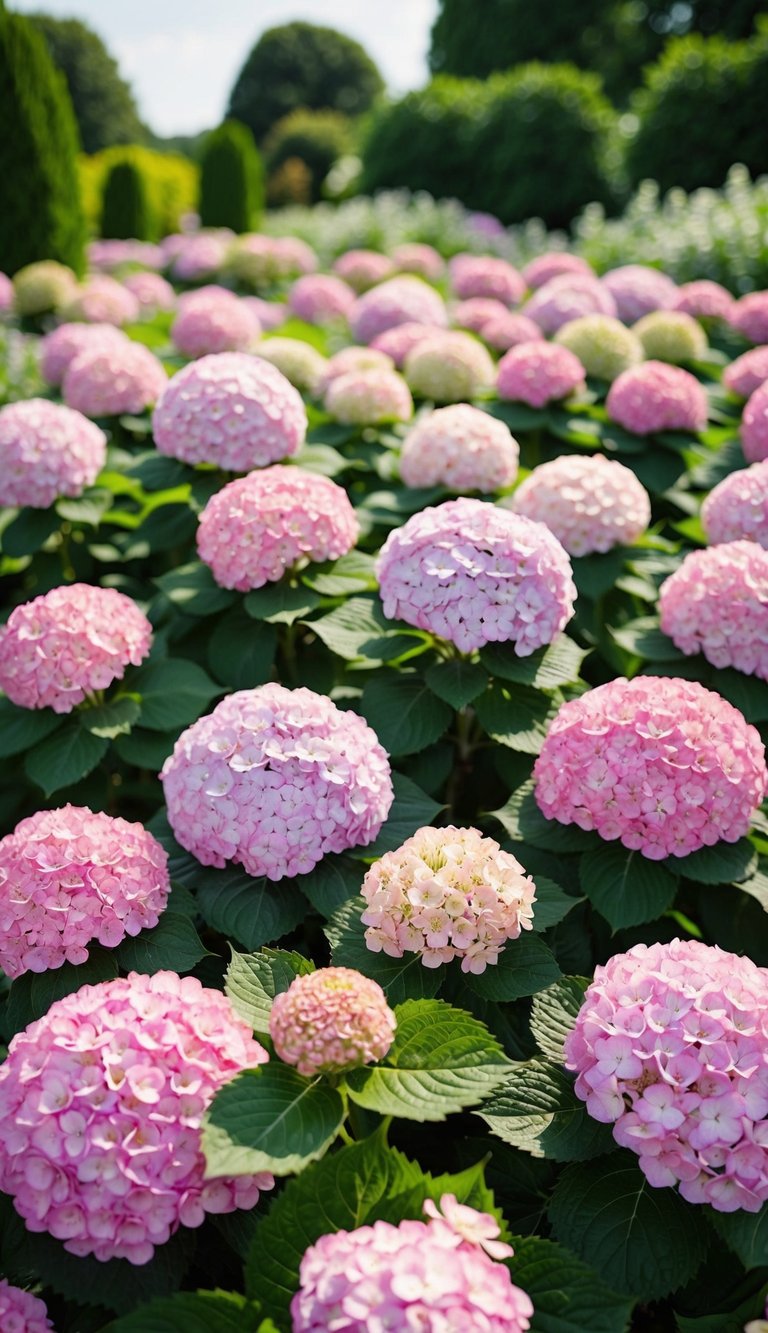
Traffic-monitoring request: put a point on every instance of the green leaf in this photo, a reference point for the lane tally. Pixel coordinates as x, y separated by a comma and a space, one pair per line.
747, 693
643, 638
525, 966
111, 719
745, 1234
88, 508
646, 1242
270, 1119
523, 821
404, 713
193, 589
568, 1297
519, 718
725, 863
554, 1015
254, 979
400, 978
280, 603
725, 1321
32, 994
559, 664
322, 458
65, 757
354, 572
537, 1110
552, 903
595, 575
173, 943
193, 1312
145, 749
411, 809
240, 651
29, 531
21, 728
252, 911
457, 682
334, 881
173, 692
359, 630
440, 1061
517, 416
625, 887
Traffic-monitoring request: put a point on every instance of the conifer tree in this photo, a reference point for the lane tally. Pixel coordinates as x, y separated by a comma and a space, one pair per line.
231, 179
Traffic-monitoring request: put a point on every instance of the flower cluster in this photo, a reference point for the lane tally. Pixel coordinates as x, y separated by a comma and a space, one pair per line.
671, 335
754, 425
211, 320
747, 372
738, 507
230, 409
400, 300
474, 574
604, 346
260, 261
113, 378
447, 893
396, 343
638, 290
462, 448
509, 330
258, 526
273, 779
423, 260
591, 503
449, 368
670, 1049
321, 298
484, 275
749, 316
105, 256
568, 297
59, 348
69, 642
331, 1020
103, 300
432, 1276
46, 451
43, 286
71, 877
539, 372
114, 1082
353, 359
704, 300
301, 364
21, 1312
369, 397
363, 269
716, 603
200, 256
476, 311
269, 314
554, 264
152, 292
654, 397
662, 764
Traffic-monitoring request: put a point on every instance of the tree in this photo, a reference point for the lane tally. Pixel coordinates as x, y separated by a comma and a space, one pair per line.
40, 211
301, 65
316, 138
125, 208
231, 178
103, 102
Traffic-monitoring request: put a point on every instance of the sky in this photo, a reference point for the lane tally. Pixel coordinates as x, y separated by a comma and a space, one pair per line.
181, 57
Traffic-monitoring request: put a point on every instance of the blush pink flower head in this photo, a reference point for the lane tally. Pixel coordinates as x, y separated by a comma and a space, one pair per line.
661, 764
103, 300
321, 298
273, 779
398, 342
59, 348
704, 300
331, 1020
747, 372
637, 290
230, 409
21, 1312
432, 1276
567, 297
754, 425
368, 398
749, 317
423, 260
670, 1048
258, 526
68, 643
462, 448
716, 603
198, 257
476, 311
400, 300
590, 503
70, 878
538, 373
114, 1082
363, 269
447, 893
509, 330
738, 507
475, 574
213, 320
449, 367
655, 397
353, 359
47, 451
554, 264
152, 292
485, 275
111, 379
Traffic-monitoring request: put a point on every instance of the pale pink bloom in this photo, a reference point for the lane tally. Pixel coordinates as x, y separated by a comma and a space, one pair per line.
486, 275
47, 451
754, 426
538, 373
321, 298
110, 379
400, 300
590, 503
655, 397
716, 603
212, 320
331, 1020
738, 507
637, 290
749, 317
462, 448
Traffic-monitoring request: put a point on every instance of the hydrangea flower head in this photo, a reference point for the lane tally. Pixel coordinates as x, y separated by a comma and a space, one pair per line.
486, 275
321, 298
110, 379
604, 346
301, 364
476, 311
475, 574
103, 300
273, 779
258, 262
568, 297
43, 286
716, 603
462, 448
398, 342
738, 507
363, 269
449, 368
671, 335
21, 1312
754, 425
423, 260
591, 503
353, 359
331, 1020
747, 372
153, 292
199, 257
59, 348
653, 397
749, 316
368, 398
664, 765
704, 300
638, 290
670, 1050
400, 300
230, 409
114, 1082
212, 320
269, 314
539, 372
46, 451
554, 264
509, 330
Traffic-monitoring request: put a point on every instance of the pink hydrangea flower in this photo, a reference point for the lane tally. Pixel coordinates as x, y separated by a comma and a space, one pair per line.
330, 1020
447, 893
261, 261
449, 368
749, 317
568, 297
273, 779
103, 300
321, 298
230, 409
369, 397
59, 348
538, 373
591, 503
107, 255
353, 359
398, 342
69, 642
475, 574
654, 397
47, 450
6, 294
108, 380
664, 765
400, 300
152, 292
476, 311
423, 260
432, 1276
21, 1312
363, 269
747, 372
738, 507
716, 603
462, 448
257, 527
669, 1048
554, 264
509, 330
637, 290
270, 314
485, 275
212, 320
70, 878
704, 300
106, 1096
199, 257
754, 426
301, 363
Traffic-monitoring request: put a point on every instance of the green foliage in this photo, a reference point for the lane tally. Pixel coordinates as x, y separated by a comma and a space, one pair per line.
170, 181
231, 179
302, 65
125, 207
316, 138
40, 212
270, 1119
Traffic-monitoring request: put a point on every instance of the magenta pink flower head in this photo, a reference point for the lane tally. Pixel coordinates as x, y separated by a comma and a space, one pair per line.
432, 1276
400, 300
509, 330
554, 264
114, 1082
68, 643
566, 298
670, 1048
654, 397
230, 409
213, 320
363, 269
637, 290
321, 298
331, 1020
704, 300
738, 507
21, 1312
474, 574
258, 526
747, 372
447, 893
273, 779
369, 397
462, 448
59, 348
108, 380
754, 426
47, 451
749, 317
485, 275
539, 372
664, 765
70, 878
716, 603
590, 503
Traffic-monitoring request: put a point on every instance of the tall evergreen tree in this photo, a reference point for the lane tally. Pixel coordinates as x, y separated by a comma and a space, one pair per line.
125, 207
231, 178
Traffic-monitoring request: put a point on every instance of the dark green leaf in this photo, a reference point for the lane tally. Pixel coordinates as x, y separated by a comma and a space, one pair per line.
111, 719
32, 994
334, 881
354, 572
173, 693
280, 603
552, 903
65, 757
21, 728
456, 682
537, 1110
360, 630
725, 863
625, 887
554, 1014
595, 575
193, 1312
241, 651
745, 1234
173, 943
88, 508
251, 911
519, 717
254, 979
145, 749
412, 809
568, 1297
523, 821
28, 531
643, 638
193, 589
525, 966
404, 713
401, 978
559, 664
270, 1119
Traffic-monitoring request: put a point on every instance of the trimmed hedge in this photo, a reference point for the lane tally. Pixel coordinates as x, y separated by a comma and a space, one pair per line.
231, 179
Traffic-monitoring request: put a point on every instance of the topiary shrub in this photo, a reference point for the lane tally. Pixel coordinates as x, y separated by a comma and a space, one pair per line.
316, 138
171, 183
231, 179
125, 208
